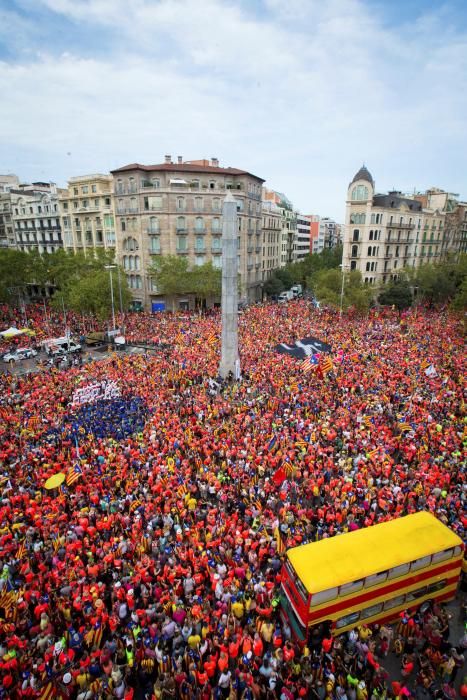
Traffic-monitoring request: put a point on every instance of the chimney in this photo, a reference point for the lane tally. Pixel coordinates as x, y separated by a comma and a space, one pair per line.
168, 159
215, 162
180, 160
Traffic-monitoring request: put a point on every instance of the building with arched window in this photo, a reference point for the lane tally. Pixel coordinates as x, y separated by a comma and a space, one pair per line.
385, 233
176, 209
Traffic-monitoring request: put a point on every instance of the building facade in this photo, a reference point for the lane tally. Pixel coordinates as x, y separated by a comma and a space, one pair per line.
87, 215
303, 237
176, 209
272, 239
289, 224
385, 233
36, 217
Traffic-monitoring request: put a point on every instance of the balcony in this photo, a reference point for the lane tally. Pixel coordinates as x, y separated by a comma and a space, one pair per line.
249, 267
152, 231
216, 251
130, 210
154, 251
200, 250
181, 231
200, 231
183, 251
250, 249
393, 224
387, 256
258, 249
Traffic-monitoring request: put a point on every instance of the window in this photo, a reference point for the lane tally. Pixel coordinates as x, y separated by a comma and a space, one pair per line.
368, 267
322, 596
181, 243
132, 185
351, 587
181, 223
353, 264
371, 235
369, 251
216, 243
442, 556
347, 620
199, 223
372, 610
181, 203
360, 193
217, 262
198, 203
356, 234
420, 563
155, 245
438, 586
216, 204
199, 260
375, 579
152, 203
419, 593
154, 224
394, 602
199, 244
130, 244
75, 191
216, 225
93, 188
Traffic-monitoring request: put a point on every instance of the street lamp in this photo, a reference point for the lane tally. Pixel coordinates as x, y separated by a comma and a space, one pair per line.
110, 268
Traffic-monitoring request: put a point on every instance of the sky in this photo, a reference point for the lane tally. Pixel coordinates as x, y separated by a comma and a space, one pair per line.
299, 92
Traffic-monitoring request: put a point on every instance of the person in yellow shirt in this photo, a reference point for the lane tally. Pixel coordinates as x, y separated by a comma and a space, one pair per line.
238, 609
194, 641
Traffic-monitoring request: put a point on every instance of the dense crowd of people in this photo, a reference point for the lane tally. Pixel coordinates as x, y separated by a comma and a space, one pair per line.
154, 570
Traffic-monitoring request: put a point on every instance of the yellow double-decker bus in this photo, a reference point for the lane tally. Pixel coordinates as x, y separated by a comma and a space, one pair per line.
370, 575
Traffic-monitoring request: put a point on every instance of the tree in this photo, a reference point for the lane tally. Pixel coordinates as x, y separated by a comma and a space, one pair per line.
273, 286
436, 283
14, 274
459, 303
171, 274
91, 294
206, 281
327, 287
398, 294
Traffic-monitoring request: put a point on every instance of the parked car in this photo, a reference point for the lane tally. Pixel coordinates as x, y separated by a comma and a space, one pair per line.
284, 297
19, 354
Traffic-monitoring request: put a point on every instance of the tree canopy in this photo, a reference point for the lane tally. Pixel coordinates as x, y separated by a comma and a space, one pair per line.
173, 276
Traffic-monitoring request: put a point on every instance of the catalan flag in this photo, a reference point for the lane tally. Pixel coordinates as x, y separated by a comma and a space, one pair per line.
281, 546
47, 692
21, 550
373, 454
134, 505
73, 474
404, 427
424, 364
34, 422
294, 387
325, 365
212, 340
368, 421
182, 491
301, 444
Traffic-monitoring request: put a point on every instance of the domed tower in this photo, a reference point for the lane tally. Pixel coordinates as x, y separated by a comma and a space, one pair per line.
358, 211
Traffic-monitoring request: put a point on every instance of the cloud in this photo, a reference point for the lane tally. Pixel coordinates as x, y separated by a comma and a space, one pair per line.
300, 92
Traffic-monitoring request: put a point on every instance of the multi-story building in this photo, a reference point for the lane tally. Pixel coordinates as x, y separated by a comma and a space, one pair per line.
7, 236
317, 233
456, 229
289, 224
386, 232
36, 217
176, 208
303, 237
272, 238
86, 212
8, 183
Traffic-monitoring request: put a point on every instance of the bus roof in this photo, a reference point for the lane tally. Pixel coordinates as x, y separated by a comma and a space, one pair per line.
354, 555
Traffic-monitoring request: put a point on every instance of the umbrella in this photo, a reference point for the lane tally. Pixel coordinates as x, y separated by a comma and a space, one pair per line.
55, 480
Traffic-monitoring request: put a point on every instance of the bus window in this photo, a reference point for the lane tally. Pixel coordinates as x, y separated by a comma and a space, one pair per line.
347, 588
298, 584
398, 571
441, 556
374, 579
457, 551
372, 610
394, 602
347, 620
416, 594
420, 563
438, 586
323, 596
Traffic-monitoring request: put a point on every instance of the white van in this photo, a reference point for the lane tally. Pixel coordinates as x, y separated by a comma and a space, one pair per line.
285, 297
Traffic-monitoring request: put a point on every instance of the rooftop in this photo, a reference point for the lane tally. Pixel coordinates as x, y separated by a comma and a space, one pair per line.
363, 174
185, 168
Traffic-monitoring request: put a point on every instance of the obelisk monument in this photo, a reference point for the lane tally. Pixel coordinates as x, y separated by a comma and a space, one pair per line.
230, 361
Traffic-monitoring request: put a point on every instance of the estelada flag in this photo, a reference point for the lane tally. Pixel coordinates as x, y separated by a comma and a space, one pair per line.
325, 365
